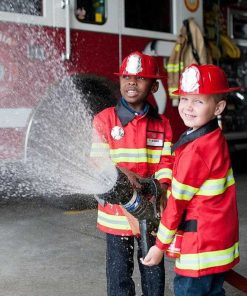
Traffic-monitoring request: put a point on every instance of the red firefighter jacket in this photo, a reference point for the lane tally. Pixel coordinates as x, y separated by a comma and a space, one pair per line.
202, 194
140, 143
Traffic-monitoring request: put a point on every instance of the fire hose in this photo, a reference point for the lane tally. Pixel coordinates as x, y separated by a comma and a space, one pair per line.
142, 204
236, 280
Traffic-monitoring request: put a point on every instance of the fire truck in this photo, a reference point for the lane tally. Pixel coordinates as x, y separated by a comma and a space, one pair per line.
40, 38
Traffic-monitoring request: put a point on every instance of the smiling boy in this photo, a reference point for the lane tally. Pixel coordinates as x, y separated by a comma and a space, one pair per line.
202, 200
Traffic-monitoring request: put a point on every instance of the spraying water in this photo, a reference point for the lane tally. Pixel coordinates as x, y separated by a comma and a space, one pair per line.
54, 140
60, 142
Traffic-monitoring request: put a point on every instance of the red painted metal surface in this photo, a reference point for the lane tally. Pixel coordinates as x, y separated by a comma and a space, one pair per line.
30, 60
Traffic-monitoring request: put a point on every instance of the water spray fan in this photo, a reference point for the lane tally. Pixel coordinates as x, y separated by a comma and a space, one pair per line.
141, 203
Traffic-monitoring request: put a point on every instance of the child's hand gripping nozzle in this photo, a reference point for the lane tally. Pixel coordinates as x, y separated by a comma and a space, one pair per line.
141, 203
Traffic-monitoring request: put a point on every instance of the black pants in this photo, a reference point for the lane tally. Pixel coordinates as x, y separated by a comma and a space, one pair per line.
120, 266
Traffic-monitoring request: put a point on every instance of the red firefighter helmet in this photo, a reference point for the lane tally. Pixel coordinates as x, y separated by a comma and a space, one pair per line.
203, 79
139, 64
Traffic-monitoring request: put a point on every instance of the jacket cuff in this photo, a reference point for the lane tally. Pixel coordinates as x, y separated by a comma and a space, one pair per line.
162, 247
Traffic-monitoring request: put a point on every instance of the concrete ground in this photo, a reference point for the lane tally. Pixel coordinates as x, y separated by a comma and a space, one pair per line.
48, 251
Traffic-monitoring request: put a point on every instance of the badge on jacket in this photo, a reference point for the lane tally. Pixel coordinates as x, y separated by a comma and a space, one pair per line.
117, 132
155, 138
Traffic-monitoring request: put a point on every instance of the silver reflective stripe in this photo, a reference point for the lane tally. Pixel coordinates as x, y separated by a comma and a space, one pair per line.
208, 259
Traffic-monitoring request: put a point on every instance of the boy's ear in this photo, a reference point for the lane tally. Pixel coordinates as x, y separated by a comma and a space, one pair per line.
155, 87
220, 107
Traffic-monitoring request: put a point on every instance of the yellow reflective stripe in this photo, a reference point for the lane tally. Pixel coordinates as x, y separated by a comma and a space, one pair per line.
171, 90
181, 191
177, 47
168, 194
163, 173
135, 151
174, 68
208, 259
112, 221
217, 186
167, 148
165, 235
99, 149
135, 155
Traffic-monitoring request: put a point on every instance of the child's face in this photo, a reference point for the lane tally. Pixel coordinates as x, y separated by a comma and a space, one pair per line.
197, 110
136, 89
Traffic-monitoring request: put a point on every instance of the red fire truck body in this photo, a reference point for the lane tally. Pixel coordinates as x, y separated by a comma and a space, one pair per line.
38, 43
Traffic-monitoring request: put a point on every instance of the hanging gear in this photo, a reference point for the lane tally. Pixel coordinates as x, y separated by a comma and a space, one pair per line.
189, 48
214, 50
190, 41
139, 64
219, 43
229, 47
197, 79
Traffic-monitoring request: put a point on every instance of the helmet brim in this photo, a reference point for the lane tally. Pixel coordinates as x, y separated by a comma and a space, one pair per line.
144, 76
222, 91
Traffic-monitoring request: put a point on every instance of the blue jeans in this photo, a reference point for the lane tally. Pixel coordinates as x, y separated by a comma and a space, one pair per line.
210, 285
120, 267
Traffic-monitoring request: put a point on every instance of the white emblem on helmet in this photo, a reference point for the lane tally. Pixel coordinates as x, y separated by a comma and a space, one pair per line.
134, 64
117, 132
189, 80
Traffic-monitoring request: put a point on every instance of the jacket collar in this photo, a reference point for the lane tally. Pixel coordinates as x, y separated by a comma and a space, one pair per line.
125, 115
185, 137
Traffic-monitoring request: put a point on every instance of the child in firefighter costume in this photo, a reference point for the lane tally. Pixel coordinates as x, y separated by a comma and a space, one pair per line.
138, 140
202, 198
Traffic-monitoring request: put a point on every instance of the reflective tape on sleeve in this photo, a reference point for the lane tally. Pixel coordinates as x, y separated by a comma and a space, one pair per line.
216, 186
165, 173
181, 191
165, 235
99, 149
